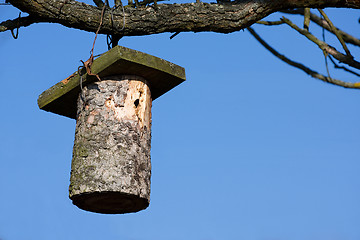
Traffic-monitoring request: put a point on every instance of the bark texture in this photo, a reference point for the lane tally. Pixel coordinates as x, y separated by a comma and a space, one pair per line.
188, 17
111, 167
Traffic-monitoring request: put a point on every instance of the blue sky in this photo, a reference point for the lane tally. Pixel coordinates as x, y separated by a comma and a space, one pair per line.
247, 148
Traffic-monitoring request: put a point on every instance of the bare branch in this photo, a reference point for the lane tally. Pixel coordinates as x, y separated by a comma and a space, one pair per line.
322, 23
335, 31
324, 46
306, 18
307, 70
343, 68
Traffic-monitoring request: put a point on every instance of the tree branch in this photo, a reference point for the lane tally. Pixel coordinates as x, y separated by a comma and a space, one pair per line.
300, 66
322, 23
343, 68
335, 31
324, 46
187, 17
306, 18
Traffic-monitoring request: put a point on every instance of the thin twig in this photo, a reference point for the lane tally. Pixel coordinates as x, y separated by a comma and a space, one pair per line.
324, 46
343, 68
306, 18
322, 23
300, 66
335, 31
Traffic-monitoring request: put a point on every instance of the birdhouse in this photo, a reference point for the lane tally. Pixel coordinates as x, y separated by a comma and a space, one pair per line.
111, 167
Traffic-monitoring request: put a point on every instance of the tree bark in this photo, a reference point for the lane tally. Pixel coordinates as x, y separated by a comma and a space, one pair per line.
111, 167
188, 17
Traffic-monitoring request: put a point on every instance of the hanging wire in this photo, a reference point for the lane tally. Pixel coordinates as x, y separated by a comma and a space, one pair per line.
110, 38
16, 35
82, 94
325, 54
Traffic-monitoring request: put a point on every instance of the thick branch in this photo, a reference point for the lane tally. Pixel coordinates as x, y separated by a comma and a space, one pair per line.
189, 17
300, 66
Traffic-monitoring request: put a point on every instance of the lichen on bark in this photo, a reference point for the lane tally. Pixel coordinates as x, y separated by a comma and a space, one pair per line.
222, 17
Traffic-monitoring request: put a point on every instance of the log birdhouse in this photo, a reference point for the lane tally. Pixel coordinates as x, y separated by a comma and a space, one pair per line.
111, 168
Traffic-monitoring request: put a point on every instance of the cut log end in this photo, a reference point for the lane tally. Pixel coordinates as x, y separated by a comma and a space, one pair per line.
110, 202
